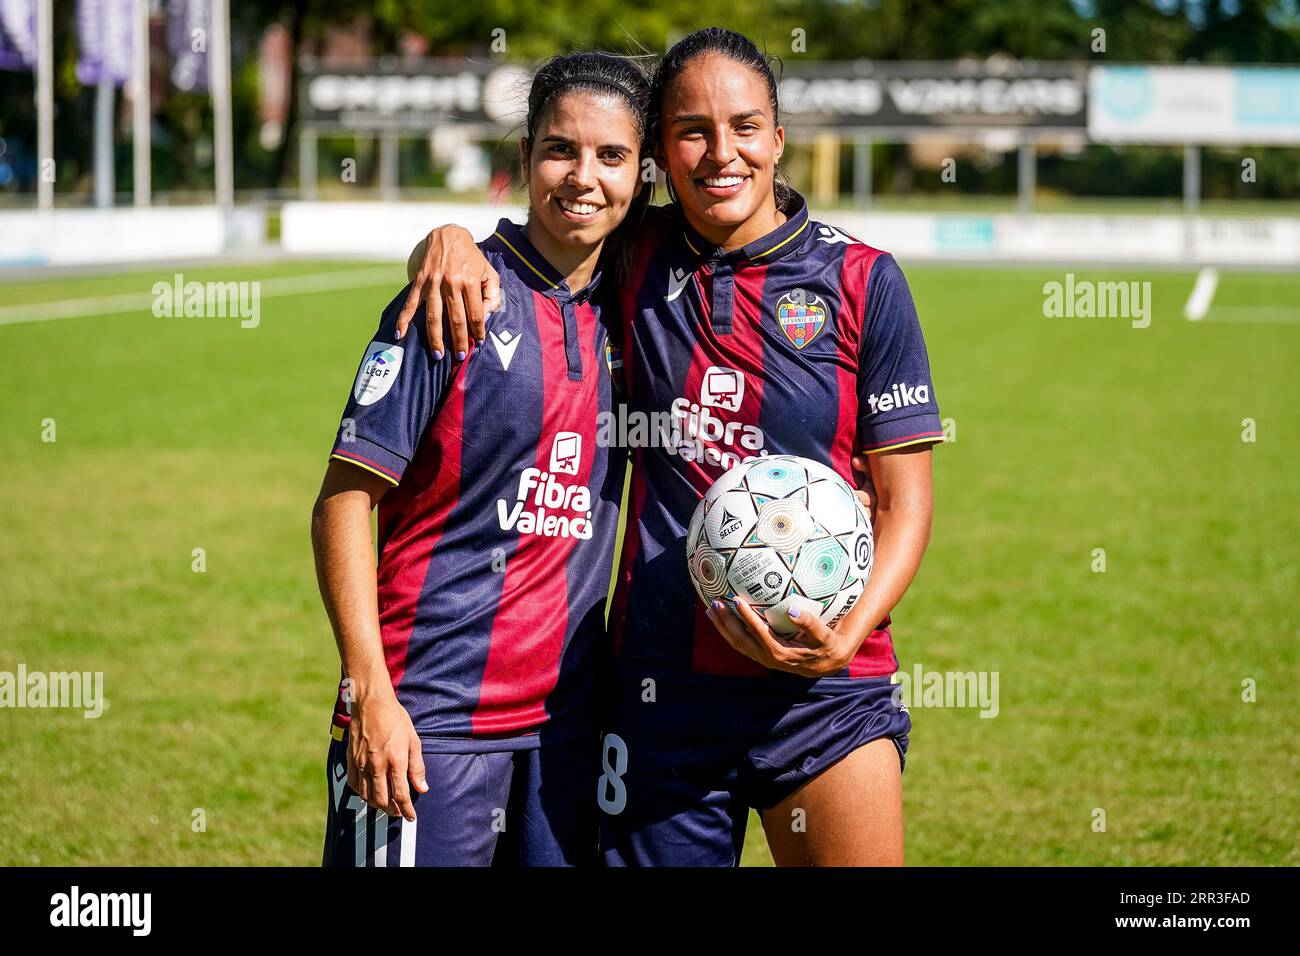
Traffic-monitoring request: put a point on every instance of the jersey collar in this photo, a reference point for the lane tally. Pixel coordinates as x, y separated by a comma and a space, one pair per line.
781, 241
510, 241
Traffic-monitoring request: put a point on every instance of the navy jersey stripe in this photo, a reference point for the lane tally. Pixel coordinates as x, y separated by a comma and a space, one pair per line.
499, 437
588, 592
467, 570
821, 354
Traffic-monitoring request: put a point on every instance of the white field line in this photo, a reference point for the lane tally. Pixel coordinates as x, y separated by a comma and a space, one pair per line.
143, 301
1271, 278
1272, 314
1198, 303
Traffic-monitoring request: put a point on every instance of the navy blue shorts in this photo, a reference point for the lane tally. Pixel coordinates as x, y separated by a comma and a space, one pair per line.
680, 773
528, 807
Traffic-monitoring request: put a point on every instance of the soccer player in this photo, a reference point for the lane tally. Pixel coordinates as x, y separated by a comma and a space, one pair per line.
760, 331
464, 731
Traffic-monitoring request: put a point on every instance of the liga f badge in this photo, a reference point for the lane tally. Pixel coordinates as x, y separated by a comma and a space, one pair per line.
801, 316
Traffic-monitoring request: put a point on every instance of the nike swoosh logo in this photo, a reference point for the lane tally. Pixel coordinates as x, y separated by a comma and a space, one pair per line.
505, 344
677, 279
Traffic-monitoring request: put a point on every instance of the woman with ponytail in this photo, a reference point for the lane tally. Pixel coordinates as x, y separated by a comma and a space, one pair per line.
711, 712
465, 729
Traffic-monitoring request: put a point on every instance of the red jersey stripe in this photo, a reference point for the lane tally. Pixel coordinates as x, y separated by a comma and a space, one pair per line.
710, 653
855, 269
527, 641
434, 476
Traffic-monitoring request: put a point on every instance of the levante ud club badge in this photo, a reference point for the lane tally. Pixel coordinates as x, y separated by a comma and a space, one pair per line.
801, 316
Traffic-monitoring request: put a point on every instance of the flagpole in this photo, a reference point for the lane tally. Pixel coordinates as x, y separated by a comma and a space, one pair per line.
45, 104
104, 103
219, 80
140, 133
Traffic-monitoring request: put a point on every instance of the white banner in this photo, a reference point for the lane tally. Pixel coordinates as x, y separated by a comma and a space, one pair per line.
60, 237
1194, 104
390, 230
383, 229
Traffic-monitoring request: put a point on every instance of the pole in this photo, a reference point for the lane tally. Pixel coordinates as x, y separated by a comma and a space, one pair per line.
104, 173
388, 165
1191, 179
825, 170
862, 173
45, 104
1026, 173
140, 146
1191, 196
220, 82
306, 163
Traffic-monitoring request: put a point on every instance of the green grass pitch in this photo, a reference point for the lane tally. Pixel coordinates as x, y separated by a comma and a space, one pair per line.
1120, 691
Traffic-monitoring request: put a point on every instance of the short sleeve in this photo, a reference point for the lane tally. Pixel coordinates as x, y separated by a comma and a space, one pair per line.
394, 395
896, 403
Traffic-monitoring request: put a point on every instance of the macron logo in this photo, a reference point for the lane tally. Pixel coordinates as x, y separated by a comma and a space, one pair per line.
677, 279
899, 396
505, 344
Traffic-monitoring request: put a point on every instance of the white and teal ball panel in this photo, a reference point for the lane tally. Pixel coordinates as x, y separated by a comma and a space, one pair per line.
784, 532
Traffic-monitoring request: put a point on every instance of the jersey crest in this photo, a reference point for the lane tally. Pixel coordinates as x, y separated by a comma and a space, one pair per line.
801, 316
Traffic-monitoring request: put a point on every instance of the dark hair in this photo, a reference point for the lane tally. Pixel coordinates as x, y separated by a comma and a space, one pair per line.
735, 47
607, 73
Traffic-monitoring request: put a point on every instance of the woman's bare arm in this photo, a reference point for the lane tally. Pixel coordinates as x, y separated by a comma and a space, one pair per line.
449, 272
383, 748
901, 519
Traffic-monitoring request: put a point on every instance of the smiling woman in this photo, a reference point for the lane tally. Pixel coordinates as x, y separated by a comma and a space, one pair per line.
470, 654
720, 136
576, 172
760, 332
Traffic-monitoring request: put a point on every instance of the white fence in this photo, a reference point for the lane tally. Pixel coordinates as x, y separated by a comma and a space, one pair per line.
59, 237
388, 231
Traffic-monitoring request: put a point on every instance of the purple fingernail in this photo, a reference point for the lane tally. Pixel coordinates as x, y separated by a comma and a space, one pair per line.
717, 605
460, 356
794, 613
437, 355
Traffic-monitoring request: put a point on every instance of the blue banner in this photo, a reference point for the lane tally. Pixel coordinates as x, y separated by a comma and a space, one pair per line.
104, 41
18, 35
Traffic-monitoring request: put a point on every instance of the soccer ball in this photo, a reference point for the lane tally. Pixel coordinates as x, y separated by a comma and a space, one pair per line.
782, 531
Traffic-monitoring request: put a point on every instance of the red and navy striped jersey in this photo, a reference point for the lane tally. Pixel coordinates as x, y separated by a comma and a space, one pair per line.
804, 342
496, 545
